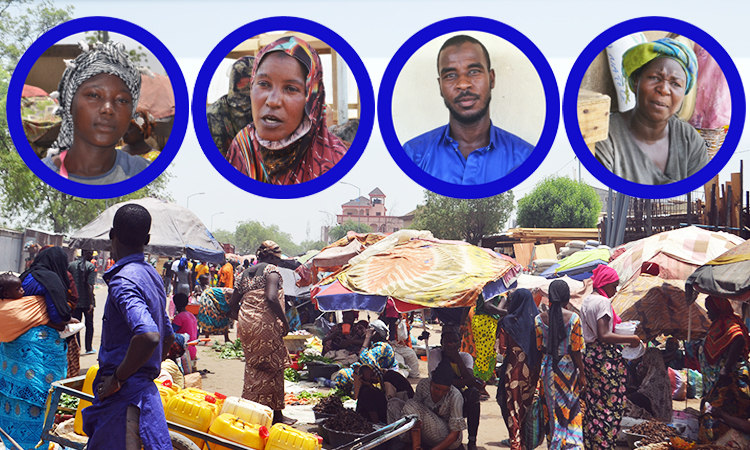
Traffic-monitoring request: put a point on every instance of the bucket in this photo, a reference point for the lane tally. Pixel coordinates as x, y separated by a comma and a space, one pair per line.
339, 438
316, 370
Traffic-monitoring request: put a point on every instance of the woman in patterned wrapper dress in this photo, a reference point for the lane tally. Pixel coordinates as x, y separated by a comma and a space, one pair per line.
257, 304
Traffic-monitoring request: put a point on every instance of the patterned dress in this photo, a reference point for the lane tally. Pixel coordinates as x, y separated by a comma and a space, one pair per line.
213, 315
520, 383
604, 397
559, 387
262, 337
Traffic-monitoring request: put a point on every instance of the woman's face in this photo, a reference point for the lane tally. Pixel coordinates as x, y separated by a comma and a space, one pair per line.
133, 135
660, 88
102, 108
278, 96
611, 288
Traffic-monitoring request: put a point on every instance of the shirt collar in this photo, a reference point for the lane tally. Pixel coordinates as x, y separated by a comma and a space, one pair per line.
453, 143
121, 263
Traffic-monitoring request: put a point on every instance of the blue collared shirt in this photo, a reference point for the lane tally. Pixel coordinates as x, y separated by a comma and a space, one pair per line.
437, 153
136, 304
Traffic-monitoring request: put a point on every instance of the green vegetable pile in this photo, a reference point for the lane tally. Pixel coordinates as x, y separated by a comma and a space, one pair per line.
303, 358
291, 375
309, 395
67, 403
229, 350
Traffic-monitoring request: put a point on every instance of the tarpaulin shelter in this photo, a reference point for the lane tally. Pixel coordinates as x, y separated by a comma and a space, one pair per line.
539, 287
334, 256
726, 276
579, 265
660, 306
175, 231
677, 253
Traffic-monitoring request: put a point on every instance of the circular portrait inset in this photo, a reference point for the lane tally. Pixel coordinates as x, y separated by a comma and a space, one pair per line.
96, 108
654, 108
282, 110
469, 108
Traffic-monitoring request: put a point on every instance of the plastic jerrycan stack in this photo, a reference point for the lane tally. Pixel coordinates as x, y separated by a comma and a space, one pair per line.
284, 437
88, 387
248, 411
232, 428
193, 412
166, 390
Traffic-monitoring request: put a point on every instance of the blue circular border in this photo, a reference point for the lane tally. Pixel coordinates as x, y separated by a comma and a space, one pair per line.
736, 123
52, 37
366, 95
385, 107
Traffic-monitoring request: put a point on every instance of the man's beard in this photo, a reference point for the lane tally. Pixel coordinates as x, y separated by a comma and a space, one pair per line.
471, 118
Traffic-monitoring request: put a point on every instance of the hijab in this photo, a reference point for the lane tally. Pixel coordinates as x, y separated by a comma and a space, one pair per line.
109, 57
50, 269
232, 112
311, 150
723, 330
656, 385
519, 323
559, 294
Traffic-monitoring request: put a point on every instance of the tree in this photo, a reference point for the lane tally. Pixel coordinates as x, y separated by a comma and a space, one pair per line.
306, 246
559, 202
249, 234
463, 219
138, 57
340, 231
23, 196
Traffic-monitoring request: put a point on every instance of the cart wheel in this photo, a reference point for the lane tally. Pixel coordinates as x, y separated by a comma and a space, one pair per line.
180, 442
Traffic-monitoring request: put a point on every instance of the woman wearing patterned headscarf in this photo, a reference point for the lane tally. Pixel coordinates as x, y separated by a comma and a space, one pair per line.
605, 368
649, 144
141, 128
560, 339
725, 367
98, 95
231, 113
288, 141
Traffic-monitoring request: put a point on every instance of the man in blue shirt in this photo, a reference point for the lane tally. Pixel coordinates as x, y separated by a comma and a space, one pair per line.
469, 150
136, 335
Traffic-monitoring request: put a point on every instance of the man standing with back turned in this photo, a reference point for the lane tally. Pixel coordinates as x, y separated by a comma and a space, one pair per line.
127, 412
469, 150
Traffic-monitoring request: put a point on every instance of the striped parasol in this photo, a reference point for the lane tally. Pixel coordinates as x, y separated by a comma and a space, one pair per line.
727, 276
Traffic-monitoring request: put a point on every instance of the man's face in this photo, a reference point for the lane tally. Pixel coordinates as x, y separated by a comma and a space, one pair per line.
465, 82
450, 341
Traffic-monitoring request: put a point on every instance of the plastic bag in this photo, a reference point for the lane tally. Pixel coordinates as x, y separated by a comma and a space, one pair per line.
402, 331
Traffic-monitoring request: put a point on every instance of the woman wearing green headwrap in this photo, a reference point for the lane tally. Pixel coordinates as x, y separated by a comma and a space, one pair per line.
649, 144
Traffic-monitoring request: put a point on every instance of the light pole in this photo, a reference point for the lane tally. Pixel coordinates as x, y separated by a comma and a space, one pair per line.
359, 195
187, 203
212, 220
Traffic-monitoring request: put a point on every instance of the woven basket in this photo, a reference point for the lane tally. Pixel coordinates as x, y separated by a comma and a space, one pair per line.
714, 137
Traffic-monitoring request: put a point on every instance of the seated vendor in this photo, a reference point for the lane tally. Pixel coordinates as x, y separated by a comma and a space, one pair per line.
347, 335
649, 144
737, 434
368, 391
673, 356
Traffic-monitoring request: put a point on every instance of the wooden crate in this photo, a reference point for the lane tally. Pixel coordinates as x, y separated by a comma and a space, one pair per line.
593, 116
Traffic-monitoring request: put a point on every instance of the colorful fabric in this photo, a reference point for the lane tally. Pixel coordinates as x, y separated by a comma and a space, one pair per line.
226, 276
713, 100
559, 385
50, 268
725, 328
604, 397
356, 332
516, 387
308, 154
262, 337
145, 122
559, 295
603, 275
109, 57
519, 323
380, 355
483, 330
28, 366
231, 113
20, 315
641, 54
38, 115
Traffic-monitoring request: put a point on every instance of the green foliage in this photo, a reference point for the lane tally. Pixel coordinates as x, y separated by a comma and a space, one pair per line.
463, 219
229, 350
559, 202
249, 234
292, 375
340, 231
138, 56
306, 246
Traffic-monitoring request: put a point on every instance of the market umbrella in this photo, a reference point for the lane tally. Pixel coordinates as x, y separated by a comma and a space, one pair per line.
334, 256
539, 287
579, 265
175, 231
426, 272
660, 306
727, 276
677, 253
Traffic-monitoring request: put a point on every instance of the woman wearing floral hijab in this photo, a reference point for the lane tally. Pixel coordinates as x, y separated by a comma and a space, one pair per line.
287, 141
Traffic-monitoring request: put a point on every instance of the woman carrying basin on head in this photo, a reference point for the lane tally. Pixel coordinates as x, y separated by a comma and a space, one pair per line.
98, 95
649, 144
287, 141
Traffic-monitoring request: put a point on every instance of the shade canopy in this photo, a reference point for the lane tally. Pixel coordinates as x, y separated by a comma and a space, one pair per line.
727, 276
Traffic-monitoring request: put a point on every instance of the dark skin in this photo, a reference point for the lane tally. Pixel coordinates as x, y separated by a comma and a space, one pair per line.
671, 353
451, 343
134, 142
142, 345
604, 328
465, 85
742, 425
576, 356
437, 392
733, 353
365, 376
660, 89
349, 317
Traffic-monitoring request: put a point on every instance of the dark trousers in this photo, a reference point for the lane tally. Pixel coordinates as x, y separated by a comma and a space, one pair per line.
78, 314
472, 410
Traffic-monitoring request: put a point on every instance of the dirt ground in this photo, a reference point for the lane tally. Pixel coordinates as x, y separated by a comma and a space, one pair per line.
226, 377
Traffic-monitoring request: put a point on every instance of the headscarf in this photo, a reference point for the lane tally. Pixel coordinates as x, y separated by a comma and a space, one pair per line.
231, 113
50, 269
311, 150
519, 323
268, 249
145, 122
723, 330
641, 54
183, 265
443, 373
381, 354
559, 294
109, 57
603, 275
381, 328
656, 385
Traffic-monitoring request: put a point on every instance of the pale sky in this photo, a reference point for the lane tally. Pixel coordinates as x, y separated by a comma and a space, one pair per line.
561, 29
